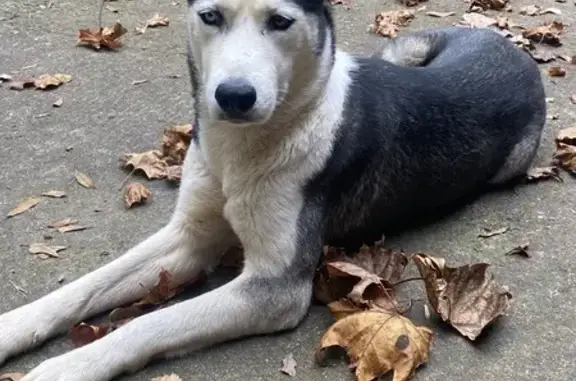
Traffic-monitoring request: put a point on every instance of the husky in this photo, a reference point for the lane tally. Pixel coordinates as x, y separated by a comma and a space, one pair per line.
297, 144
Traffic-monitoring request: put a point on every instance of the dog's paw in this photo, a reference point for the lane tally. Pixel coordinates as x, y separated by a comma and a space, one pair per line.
21, 330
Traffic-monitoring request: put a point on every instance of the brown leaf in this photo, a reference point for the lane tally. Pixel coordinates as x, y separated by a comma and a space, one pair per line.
175, 143
440, 14
44, 251
174, 173
543, 173
546, 34
83, 334
46, 81
478, 20
136, 193
378, 342
54, 194
556, 71
344, 307
62, 223
387, 23
72, 228
107, 37
467, 297
83, 179
25, 205
150, 162
521, 250
491, 233
567, 136
489, 4
289, 365
169, 377
565, 155
21, 83
542, 56
157, 20
11, 376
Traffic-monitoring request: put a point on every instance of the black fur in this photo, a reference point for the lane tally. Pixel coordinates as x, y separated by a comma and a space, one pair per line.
415, 141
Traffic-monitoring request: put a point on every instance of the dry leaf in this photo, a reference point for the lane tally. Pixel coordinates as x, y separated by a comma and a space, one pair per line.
467, 297
72, 228
11, 376
542, 56
62, 223
44, 251
83, 334
157, 20
366, 277
489, 4
136, 193
289, 365
58, 102
547, 33
21, 83
378, 342
83, 179
387, 23
107, 37
25, 205
565, 155
521, 250
477, 20
169, 377
440, 14
530, 10
553, 11
556, 71
175, 143
47, 81
543, 173
344, 307
174, 173
491, 233
150, 162
54, 194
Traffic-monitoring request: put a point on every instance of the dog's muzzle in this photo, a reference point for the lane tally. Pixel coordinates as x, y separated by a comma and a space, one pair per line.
236, 97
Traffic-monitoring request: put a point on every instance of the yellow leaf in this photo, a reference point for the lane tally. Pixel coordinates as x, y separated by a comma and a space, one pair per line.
378, 342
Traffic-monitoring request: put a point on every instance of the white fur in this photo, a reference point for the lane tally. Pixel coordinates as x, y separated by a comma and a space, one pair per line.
243, 185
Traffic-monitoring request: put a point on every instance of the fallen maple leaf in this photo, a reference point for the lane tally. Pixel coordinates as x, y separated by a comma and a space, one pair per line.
157, 20
25, 205
169, 377
44, 251
289, 365
135, 194
477, 20
54, 194
547, 33
387, 23
467, 297
175, 143
543, 173
344, 307
107, 37
11, 376
83, 179
150, 162
378, 342
565, 155
83, 334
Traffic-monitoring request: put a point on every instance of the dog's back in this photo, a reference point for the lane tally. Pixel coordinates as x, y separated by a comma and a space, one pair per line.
417, 140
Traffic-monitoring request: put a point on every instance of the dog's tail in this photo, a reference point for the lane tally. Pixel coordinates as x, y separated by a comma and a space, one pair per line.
415, 49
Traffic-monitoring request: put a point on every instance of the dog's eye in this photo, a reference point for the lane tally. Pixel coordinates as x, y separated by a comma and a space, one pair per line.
211, 18
277, 22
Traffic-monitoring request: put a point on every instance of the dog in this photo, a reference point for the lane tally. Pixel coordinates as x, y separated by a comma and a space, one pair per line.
296, 144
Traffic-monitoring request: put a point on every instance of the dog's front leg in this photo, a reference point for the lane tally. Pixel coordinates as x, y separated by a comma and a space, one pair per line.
282, 242
190, 242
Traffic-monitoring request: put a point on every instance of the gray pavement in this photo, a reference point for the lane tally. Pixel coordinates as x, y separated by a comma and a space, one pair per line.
104, 116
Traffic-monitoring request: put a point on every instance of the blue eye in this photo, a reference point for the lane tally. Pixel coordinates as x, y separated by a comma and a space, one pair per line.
277, 22
213, 18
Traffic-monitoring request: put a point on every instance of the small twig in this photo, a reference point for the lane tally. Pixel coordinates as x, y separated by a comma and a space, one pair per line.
406, 280
126, 179
102, 3
18, 288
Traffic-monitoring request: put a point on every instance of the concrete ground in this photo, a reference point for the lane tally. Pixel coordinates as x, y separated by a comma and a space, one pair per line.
104, 115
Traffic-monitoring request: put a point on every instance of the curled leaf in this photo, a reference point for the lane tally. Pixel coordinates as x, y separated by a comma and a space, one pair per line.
107, 37
25, 205
54, 194
135, 194
387, 23
45, 251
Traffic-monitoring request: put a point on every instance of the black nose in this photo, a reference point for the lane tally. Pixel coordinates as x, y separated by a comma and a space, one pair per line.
235, 96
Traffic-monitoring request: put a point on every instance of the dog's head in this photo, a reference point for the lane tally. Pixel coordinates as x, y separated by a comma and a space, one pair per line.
245, 54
